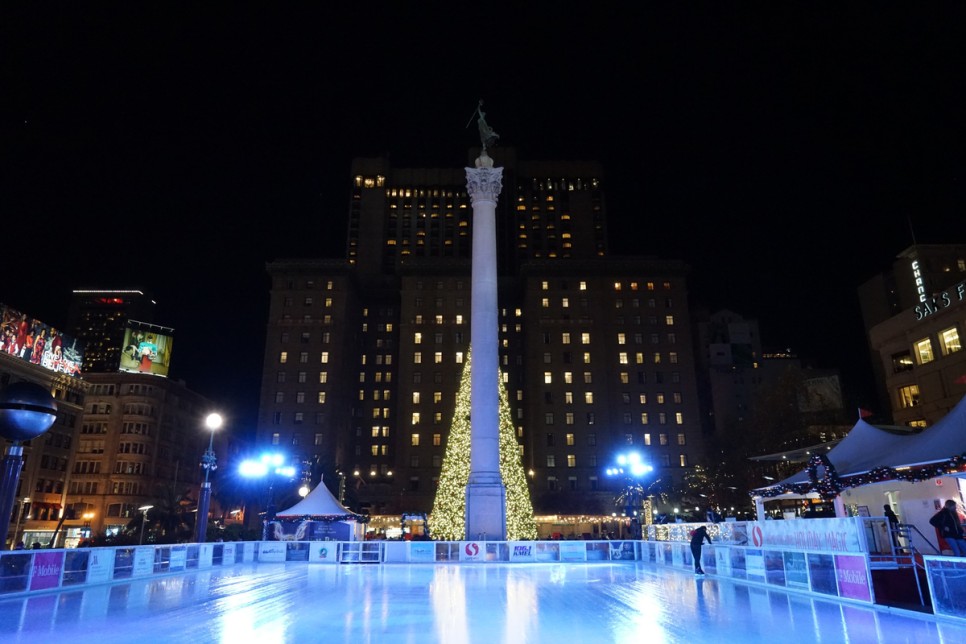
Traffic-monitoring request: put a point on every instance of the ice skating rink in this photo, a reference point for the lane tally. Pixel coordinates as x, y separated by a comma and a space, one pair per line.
488, 603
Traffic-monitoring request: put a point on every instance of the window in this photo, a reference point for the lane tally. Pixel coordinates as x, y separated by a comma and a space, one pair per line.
669, 320
949, 341
908, 396
547, 378
924, 351
902, 362
589, 397
683, 460
304, 357
571, 460
681, 440
551, 461
570, 439
414, 440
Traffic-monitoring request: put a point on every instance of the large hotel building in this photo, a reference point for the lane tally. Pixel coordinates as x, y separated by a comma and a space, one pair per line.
364, 354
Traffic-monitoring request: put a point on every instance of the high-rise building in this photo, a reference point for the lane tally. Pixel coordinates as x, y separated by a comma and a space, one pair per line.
139, 443
363, 355
37, 353
98, 318
914, 323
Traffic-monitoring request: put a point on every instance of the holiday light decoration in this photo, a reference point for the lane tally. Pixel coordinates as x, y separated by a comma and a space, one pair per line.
448, 519
823, 479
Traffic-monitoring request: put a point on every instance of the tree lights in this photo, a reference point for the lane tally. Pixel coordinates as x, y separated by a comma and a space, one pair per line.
448, 519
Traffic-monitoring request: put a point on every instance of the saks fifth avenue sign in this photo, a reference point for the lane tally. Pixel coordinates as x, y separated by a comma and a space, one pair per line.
940, 301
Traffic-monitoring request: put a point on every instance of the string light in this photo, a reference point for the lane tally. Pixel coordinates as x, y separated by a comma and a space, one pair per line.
448, 521
829, 484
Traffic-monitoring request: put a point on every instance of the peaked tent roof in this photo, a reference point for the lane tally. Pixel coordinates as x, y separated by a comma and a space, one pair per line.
862, 449
867, 447
317, 503
945, 439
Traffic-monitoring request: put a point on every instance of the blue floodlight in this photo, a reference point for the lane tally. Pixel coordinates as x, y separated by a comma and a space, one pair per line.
631, 464
253, 469
265, 465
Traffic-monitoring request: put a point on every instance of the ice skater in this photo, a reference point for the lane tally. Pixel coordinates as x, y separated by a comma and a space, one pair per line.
697, 540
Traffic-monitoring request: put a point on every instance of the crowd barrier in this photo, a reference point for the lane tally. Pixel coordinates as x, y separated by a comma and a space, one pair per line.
841, 574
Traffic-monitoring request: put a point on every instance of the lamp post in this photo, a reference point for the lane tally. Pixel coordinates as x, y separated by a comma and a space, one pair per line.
27, 410
631, 468
144, 519
208, 463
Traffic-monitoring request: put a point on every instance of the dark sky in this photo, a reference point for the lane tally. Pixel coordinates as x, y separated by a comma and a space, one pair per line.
787, 151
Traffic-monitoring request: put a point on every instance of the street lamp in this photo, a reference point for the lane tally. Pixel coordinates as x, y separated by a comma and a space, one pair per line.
631, 468
144, 519
27, 410
208, 463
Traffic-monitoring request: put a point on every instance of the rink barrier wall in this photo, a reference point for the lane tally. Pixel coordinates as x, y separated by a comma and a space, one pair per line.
841, 575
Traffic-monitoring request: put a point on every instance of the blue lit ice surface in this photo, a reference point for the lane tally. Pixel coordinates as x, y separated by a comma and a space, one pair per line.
452, 604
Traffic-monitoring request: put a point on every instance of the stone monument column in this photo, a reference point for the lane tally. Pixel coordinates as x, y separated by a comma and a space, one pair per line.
485, 492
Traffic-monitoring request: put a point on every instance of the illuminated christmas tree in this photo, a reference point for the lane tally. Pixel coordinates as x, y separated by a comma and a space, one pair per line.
448, 520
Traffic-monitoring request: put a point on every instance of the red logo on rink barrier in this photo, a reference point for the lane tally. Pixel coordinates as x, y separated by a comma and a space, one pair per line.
756, 536
472, 549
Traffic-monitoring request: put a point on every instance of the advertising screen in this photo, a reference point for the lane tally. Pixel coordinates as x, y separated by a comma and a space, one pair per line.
31, 340
147, 348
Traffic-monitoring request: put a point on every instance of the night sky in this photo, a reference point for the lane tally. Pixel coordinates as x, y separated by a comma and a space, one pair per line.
786, 151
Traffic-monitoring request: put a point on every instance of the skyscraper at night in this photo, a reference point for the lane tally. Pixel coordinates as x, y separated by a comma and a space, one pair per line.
363, 354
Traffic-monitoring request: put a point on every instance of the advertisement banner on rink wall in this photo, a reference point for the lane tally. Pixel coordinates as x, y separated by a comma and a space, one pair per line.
852, 575
836, 535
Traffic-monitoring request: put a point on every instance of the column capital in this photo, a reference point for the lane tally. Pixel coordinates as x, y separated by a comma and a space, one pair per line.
484, 184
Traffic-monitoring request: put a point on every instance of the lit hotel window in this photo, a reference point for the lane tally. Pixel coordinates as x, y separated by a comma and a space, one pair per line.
924, 351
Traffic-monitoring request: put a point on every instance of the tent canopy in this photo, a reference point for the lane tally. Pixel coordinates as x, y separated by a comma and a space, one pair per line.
317, 504
868, 447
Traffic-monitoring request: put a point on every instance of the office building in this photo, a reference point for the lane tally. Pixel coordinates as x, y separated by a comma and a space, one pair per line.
363, 355
915, 315
98, 319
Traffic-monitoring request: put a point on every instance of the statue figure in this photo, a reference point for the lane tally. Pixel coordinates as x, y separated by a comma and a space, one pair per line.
488, 137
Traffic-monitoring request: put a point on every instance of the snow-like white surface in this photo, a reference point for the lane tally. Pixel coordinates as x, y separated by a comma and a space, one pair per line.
451, 604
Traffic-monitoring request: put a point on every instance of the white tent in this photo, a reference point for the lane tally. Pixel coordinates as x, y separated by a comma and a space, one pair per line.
319, 503
869, 447
319, 516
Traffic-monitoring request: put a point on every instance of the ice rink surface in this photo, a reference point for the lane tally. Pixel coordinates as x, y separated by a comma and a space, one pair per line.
452, 604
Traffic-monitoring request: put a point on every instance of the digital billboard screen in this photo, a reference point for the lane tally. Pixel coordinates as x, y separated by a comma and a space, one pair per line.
147, 348
38, 343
